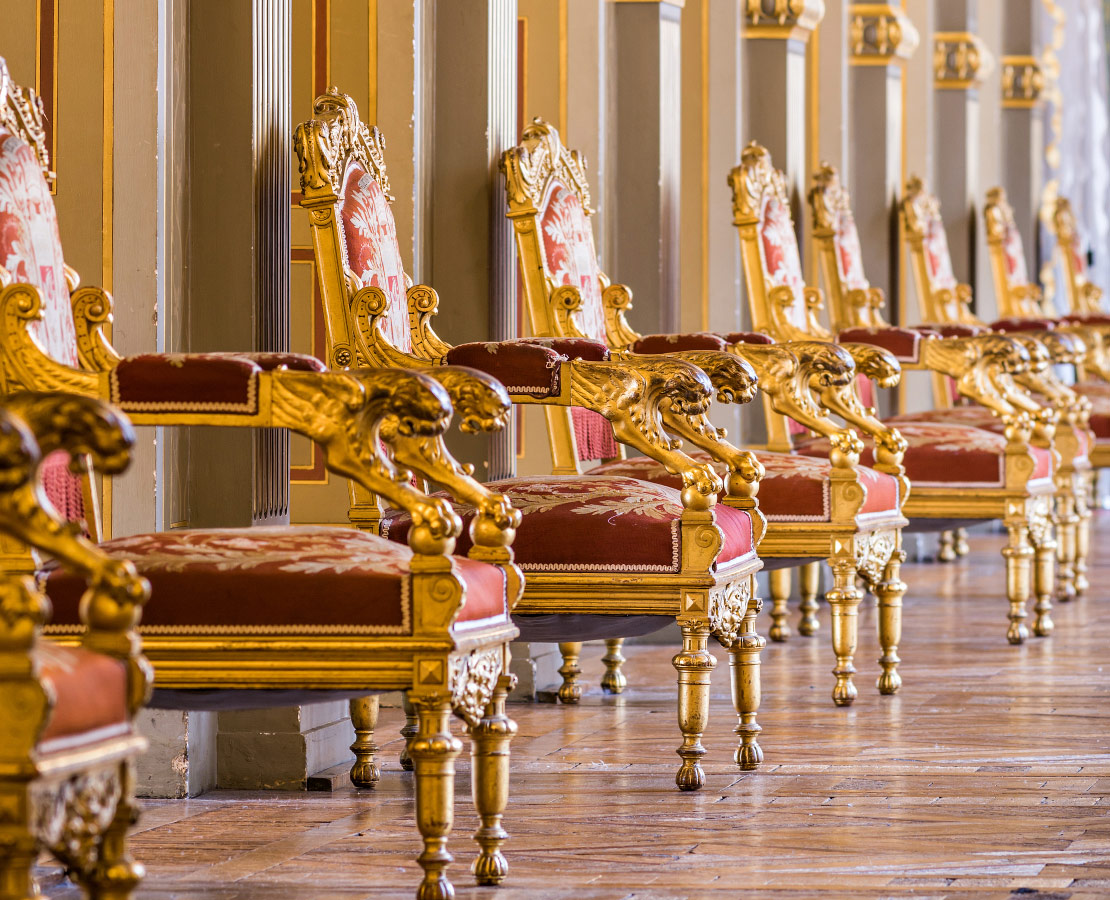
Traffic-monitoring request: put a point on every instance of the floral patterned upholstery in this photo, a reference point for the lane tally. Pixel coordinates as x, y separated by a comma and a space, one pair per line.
201, 382
569, 255
1016, 271
782, 267
938, 260
794, 489
573, 348
673, 343
943, 453
90, 692
597, 523
524, 368
308, 579
849, 254
373, 252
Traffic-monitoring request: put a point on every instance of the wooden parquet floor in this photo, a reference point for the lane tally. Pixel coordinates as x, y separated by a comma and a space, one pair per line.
987, 777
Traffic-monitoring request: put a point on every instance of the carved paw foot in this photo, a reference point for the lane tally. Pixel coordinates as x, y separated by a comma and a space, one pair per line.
367, 773
889, 682
749, 756
691, 776
1017, 633
435, 888
490, 868
844, 694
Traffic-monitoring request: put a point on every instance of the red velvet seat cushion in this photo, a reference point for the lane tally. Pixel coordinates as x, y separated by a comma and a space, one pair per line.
942, 453
904, 343
748, 337
90, 692
671, 343
277, 581
523, 367
1023, 324
574, 348
598, 523
794, 489
954, 329
981, 417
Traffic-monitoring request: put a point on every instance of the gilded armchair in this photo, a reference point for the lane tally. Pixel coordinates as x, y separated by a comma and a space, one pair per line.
815, 509
263, 616
1060, 417
959, 473
604, 556
67, 735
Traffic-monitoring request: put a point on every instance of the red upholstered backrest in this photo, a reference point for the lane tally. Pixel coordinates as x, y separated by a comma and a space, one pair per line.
569, 255
31, 252
849, 254
1016, 271
782, 265
30, 246
938, 261
373, 253
1078, 256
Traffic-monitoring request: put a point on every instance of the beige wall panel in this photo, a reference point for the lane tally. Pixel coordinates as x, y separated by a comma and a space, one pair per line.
19, 47
352, 69
543, 90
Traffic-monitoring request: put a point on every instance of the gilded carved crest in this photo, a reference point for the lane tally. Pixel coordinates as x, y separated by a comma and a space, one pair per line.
828, 200
752, 181
535, 162
919, 209
21, 113
999, 215
334, 138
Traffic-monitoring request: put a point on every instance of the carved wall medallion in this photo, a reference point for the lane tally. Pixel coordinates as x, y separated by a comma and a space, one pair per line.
782, 19
1022, 82
881, 34
960, 60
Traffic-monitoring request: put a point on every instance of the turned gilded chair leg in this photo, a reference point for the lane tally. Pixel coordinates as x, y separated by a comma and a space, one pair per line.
1083, 535
490, 738
570, 691
408, 732
1065, 548
890, 592
779, 580
1018, 555
844, 600
810, 584
694, 664
962, 547
115, 874
18, 847
365, 772
433, 751
1044, 549
946, 549
613, 681
746, 688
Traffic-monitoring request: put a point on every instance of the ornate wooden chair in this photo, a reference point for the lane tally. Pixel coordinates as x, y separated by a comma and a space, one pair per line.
816, 509
1060, 416
67, 735
605, 556
999, 476
263, 616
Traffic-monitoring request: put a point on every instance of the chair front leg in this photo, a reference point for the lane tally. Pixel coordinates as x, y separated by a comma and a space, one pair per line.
809, 624
613, 681
946, 549
365, 773
18, 846
1044, 564
844, 599
890, 592
1066, 544
490, 739
694, 664
1019, 560
1086, 496
570, 691
433, 751
116, 875
779, 581
408, 732
962, 547
747, 691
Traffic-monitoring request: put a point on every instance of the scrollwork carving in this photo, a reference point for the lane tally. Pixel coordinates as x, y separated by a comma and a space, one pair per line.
473, 679
727, 607
873, 552
69, 817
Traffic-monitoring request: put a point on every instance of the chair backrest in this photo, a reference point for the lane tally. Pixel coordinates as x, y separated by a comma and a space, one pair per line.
345, 188
937, 294
1082, 298
1007, 255
769, 246
852, 302
31, 253
549, 200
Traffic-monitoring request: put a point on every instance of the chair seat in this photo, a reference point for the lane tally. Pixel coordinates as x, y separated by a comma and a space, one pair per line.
308, 580
942, 454
794, 489
1098, 392
981, 417
598, 523
90, 694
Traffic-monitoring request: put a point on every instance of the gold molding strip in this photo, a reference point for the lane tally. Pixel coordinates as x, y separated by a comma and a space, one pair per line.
1022, 82
788, 19
880, 34
960, 60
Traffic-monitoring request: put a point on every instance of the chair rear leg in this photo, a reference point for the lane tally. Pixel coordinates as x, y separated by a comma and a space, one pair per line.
570, 691
810, 579
890, 593
744, 666
844, 600
962, 547
490, 738
18, 847
408, 731
613, 681
946, 549
1018, 555
779, 581
433, 751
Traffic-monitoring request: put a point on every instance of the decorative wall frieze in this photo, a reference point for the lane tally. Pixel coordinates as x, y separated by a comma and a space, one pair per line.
782, 19
1022, 82
880, 34
960, 60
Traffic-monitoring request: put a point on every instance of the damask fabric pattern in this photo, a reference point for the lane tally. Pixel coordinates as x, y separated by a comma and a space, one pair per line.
90, 690
782, 266
308, 579
673, 343
794, 489
849, 254
524, 368
941, 454
569, 255
937, 258
373, 252
1016, 271
599, 523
